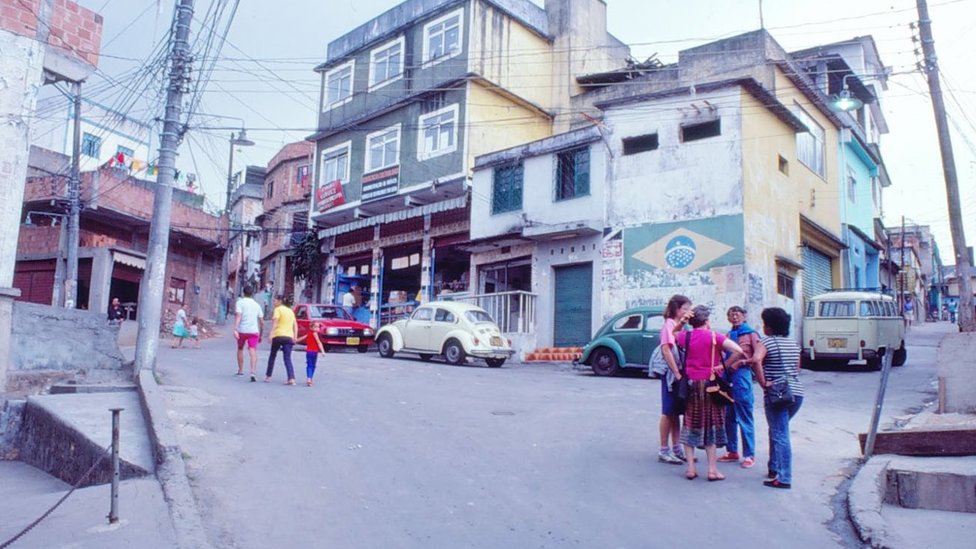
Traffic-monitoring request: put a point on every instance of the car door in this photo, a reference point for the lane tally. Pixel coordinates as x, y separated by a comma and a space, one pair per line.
652, 336
416, 331
444, 322
627, 332
301, 318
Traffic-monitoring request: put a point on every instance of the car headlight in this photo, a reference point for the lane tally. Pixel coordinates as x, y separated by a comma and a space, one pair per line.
368, 332
332, 331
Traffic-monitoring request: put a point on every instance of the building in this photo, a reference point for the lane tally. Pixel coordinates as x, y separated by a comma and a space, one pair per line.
409, 99
287, 191
244, 242
924, 277
113, 243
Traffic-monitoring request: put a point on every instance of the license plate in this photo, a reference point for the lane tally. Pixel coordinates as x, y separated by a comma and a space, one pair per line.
496, 341
836, 342
352, 341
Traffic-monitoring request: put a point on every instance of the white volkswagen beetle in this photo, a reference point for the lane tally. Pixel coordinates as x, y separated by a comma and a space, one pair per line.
450, 328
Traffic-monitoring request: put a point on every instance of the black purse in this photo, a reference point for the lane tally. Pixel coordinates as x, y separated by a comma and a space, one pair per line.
778, 394
680, 387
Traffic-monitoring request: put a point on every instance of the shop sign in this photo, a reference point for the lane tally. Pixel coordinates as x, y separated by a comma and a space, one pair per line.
329, 195
381, 183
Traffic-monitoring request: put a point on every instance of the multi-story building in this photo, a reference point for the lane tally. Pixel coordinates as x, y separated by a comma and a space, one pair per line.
244, 242
408, 100
924, 281
287, 189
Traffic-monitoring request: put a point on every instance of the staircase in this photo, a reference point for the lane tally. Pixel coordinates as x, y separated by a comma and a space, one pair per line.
554, 354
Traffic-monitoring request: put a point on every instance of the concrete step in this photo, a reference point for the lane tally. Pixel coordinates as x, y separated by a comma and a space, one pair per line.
554, 354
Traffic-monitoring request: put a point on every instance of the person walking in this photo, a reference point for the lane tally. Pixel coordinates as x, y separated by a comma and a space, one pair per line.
180, 330
284, 331
248, 326
704, 423
669, 425
779, 356
313, 346
738, 415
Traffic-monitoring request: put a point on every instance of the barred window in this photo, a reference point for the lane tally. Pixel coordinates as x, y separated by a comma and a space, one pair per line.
573, 173
506, 192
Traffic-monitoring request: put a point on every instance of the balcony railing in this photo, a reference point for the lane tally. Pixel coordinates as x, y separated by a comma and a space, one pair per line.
513, 311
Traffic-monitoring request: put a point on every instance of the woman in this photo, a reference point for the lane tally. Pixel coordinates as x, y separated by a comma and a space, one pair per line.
779, 356
704, 425
671, 410
179, 328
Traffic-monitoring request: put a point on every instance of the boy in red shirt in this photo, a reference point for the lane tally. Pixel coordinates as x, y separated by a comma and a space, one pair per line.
313, 346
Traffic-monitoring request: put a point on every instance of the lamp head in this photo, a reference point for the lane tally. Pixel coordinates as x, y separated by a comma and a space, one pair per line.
845, 100
241, 139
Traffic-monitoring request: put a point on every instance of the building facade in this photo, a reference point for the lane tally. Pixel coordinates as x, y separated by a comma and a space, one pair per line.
244, 240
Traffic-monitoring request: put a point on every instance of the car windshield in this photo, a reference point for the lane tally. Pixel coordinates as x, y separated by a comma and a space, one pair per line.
322, 312
478, 316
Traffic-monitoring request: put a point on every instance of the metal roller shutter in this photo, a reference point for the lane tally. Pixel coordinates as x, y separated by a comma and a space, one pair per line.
816, 272
574, 305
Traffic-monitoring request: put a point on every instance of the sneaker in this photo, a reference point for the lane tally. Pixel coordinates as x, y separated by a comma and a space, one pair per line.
253, 379
775, 483
729, 457
667, 457
748, 463
680, 454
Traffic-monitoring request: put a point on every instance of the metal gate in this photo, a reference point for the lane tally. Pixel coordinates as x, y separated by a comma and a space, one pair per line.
573, 308
816, 272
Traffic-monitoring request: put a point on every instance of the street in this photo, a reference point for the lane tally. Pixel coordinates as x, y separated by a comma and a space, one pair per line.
403, 453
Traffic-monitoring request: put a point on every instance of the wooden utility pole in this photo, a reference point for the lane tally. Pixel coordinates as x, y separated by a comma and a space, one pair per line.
963, 262
154, 279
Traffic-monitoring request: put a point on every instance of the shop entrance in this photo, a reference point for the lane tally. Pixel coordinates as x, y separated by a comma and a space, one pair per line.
399, 282
451, 275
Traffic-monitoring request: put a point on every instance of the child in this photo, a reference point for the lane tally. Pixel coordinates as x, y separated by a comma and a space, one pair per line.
195, 333
313, 346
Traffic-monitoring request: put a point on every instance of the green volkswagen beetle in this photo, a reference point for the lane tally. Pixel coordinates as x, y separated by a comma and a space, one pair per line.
625, 341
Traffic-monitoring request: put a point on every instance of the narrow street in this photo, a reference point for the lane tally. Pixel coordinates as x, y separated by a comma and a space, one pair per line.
403, 453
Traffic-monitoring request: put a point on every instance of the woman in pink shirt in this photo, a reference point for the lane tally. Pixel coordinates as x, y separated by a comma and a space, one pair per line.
704, 424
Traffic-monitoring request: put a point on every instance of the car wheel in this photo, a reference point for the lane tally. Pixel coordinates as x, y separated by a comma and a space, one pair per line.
454, 353
901, 355
874, 364
362, 348
495, 362
426, 357
385, 346
604, 362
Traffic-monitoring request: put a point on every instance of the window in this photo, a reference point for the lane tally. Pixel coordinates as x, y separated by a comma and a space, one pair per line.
784, 166
433, 102
851, 185
270, 188
386, 63
506, 191
784, 285
438, 133
442, 37
810, 145
573, 173
632, 322
477, 316
338, 85
177, 290
640, 143
443, 315
837, 308
654, 323
423, 313
126, 151
335, 164
91, 145
702, 130
383, 149
302, 174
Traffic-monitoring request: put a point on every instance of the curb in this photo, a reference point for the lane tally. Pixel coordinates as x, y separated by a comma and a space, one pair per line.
170, 467
864, 501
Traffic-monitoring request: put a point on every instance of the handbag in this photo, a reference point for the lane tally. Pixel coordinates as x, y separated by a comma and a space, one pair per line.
680, 387
718, 389
778, 394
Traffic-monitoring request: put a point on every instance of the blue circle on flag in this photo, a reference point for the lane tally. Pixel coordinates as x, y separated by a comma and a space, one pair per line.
680, 252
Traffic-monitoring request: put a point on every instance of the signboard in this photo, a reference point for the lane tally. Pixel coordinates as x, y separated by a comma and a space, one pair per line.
382, 183
329, 195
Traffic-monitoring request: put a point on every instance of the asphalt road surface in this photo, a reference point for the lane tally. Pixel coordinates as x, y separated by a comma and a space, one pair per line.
402, 453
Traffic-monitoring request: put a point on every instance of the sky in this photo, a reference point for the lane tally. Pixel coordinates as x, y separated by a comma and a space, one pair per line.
264, 81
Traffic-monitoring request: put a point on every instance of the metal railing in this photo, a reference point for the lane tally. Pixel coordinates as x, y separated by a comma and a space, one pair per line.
514, 312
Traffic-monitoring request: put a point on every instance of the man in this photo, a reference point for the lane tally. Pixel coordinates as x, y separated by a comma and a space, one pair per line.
952, 311
248, 326
349, 298
738, 416
116, 314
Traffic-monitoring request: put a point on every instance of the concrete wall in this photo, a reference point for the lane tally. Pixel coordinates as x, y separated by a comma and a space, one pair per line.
955, 359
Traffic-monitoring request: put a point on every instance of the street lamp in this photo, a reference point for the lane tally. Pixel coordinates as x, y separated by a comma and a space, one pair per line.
845, 100
242, 141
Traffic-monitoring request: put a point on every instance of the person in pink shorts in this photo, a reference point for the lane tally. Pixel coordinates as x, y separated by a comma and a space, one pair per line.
248, 325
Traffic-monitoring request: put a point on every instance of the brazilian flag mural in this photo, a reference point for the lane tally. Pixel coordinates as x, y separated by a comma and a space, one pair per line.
684, 247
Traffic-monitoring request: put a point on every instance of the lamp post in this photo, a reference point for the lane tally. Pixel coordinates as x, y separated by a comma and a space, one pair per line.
845, 100
240, 140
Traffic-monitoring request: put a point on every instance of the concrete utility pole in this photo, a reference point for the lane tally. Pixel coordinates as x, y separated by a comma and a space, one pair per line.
963, 263
153, 281
74, 205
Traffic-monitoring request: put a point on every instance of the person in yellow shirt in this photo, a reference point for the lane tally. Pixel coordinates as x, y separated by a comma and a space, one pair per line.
284, 331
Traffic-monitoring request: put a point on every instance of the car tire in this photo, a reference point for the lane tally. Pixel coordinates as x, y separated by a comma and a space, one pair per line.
362, 348
385, 346
495, 362
454, 352
901, 355
604, 362
426, 357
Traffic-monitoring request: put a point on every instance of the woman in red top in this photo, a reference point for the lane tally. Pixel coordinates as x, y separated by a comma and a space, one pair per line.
704, 425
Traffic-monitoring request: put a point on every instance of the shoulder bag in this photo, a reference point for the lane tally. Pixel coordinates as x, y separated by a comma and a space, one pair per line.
779, 394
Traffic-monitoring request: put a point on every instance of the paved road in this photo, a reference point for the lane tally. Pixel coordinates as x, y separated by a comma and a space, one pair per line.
402, 453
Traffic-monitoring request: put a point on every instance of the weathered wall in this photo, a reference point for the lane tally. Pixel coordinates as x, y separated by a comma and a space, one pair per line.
68, 340
498, 122
955, 359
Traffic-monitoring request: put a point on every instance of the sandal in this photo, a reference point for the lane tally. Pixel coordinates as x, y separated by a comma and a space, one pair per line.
691, 475
716, 477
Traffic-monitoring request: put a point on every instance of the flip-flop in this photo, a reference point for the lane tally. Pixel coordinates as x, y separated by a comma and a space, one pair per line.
715, 478
691, 476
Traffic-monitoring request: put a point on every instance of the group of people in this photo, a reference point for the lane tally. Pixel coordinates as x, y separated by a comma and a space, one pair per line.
691, 418
249, 325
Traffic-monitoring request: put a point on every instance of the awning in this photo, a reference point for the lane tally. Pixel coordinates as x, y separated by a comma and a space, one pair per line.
130, 260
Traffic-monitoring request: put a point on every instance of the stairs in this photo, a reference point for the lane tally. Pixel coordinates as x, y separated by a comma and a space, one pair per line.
554, 354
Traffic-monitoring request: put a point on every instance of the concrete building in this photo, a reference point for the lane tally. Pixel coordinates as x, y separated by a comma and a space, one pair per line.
244, 242
113, 242
287, 191
40, 46
924, 278
409, 99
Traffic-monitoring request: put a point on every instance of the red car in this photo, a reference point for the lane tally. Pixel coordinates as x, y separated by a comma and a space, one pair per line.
338, 329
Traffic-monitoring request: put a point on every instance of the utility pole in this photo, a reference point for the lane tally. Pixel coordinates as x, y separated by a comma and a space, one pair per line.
901, 271
963, 262
74, 205
153, 281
